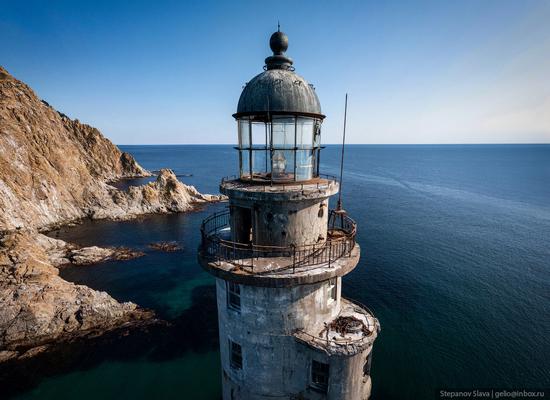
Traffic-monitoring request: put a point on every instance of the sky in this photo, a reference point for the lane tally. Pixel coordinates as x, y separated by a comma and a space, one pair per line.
171, 72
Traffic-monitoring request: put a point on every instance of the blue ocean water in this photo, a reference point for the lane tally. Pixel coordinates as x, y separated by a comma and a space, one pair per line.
455, 263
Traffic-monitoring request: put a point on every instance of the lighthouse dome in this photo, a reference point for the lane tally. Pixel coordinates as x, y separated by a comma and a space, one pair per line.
278, 90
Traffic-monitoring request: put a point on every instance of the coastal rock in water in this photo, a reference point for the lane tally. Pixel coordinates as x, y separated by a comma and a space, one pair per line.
60, 253
165, 246
37, 306
94, 254
89, 255
166, 194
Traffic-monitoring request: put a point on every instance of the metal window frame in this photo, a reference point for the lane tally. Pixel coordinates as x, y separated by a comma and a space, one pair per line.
235, 355
269, 148
231, 294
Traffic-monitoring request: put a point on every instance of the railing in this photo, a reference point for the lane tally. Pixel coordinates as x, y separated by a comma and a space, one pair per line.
343, 341
340, 243
282, 185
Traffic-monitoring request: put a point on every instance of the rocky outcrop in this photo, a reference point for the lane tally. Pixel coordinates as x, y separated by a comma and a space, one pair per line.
61, 253
55, 170
52, 168
166, 194
38, 307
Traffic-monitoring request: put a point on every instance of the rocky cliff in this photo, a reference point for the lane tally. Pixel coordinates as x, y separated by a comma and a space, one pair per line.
54, 170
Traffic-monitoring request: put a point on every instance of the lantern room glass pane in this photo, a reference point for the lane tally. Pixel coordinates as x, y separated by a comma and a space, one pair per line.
260, 163
304, 165
283, 132
259, 135
282, 165
304, 132
245, 164
244, 133
283, 149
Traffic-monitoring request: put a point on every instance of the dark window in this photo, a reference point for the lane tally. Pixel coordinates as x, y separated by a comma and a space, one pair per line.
236, 355
321, 211
319, 375
242, 224
233, 296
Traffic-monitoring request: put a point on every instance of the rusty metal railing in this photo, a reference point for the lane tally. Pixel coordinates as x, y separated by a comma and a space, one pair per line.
340, 242
342, 341
279, 185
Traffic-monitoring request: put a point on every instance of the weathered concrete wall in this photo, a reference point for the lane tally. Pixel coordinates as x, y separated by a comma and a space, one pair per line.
281, 223
277, 311
297, 223
351, 382
275, 365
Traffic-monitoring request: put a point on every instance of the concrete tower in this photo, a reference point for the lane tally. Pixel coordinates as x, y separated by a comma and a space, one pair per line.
279, 254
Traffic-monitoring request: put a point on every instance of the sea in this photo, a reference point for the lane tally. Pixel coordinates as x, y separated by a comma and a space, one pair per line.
455, 264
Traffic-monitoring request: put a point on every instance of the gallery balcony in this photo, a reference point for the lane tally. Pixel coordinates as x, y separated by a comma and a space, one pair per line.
334, 256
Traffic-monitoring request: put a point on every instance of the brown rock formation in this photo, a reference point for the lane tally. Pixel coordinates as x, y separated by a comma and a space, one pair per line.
37, 306
167, 194
54, 170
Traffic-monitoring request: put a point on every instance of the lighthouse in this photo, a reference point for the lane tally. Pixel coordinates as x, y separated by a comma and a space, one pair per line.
278, 254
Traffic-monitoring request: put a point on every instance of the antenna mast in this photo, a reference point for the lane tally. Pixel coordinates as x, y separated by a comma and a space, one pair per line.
339, 204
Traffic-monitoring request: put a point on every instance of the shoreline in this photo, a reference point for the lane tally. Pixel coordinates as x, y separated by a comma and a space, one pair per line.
29, 257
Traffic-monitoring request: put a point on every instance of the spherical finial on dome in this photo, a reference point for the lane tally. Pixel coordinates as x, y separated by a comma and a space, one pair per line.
278, 43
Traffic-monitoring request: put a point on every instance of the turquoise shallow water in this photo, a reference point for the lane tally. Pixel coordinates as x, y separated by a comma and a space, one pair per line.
455, 263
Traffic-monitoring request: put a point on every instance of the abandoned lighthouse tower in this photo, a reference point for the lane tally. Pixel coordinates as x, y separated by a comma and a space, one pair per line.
279, 254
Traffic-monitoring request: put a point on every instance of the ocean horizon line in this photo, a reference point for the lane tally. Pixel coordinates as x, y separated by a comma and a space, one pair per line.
348, 144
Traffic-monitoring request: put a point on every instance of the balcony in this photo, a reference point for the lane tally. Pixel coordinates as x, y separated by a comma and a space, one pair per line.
352, 331
248, 258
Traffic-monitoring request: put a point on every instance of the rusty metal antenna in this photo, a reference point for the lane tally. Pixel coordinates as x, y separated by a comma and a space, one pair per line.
339, 208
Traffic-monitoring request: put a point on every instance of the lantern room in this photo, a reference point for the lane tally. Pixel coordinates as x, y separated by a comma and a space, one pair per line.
279, 122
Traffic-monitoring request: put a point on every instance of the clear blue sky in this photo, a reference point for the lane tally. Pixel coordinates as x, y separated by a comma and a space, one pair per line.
172, 71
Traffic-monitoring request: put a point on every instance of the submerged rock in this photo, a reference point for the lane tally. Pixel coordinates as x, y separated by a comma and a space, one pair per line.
125, 253
165, 246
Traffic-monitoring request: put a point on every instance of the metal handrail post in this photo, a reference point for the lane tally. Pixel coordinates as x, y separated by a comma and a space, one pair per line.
252, 248
293, 259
